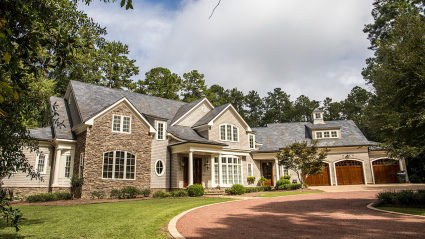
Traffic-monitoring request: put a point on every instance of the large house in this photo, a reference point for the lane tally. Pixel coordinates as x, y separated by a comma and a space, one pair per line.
115, 138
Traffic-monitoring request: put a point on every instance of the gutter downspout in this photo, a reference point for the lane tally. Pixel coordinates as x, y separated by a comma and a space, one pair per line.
171, 163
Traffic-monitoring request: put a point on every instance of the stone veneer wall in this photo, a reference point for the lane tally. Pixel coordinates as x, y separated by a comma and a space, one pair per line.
80, 148
100, 139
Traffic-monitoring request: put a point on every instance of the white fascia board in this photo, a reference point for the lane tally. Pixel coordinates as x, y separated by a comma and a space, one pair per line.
237, 113
175, 137
191, 109
91, 120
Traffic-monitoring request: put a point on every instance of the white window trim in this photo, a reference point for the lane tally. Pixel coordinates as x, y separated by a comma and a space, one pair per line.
46, 156
70, 166
249, 140
163, 168
121, 124
164, 129
125, 166
241, 164
247, 169
226, 132
82, 164
323, 134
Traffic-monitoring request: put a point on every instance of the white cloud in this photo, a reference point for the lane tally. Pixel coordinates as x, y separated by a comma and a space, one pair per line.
310, 47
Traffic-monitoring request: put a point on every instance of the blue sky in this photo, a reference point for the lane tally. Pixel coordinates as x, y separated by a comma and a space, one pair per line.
310, 47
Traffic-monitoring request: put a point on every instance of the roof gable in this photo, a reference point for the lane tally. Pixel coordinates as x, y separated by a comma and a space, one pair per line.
214, 114
187, 109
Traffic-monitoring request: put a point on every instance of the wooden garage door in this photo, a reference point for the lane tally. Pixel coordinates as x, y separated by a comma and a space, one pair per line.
385, 170
321, 179
349, 172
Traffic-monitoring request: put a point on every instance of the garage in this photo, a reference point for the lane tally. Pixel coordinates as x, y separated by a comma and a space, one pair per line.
321, 179
385, 170
349, 172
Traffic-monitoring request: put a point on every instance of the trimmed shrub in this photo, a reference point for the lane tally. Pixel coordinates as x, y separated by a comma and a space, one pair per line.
282, 181
76, 183
236, 189
257, 189
130, 192
46, 197
115, 193
250, 179
179, 193
146, 192
292, 186
97, 194
261, 180
195, 190
402, 198
160, 194
286, 176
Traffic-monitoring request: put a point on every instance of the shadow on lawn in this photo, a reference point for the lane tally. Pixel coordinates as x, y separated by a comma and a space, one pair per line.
25, 222
322, 218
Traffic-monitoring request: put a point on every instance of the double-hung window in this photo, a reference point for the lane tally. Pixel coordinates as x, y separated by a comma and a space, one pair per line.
334, 134
231, 168
121, 124
326, 134
319, 135
250, 170
251, 138
229, 132
67, 165
119, 165
81, 164
41, 163
160, 128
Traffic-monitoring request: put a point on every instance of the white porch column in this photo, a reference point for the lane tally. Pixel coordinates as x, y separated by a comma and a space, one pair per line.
57, 167
212, 165
190, 168
336, 179
277, 170
220, 173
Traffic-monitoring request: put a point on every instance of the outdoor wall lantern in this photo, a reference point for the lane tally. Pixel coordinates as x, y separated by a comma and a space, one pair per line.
182, 164
207, 164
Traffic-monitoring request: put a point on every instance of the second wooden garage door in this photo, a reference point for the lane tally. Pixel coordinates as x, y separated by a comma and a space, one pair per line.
385, 170
349, 172
321, 179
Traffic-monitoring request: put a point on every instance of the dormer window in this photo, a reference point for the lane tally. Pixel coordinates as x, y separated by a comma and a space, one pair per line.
318, 116
334, 134
326, 134
160, 128
319, 135
229, 132
121, 124
251, 138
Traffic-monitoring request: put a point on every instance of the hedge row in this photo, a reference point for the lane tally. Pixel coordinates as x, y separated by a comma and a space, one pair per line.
403, 198
46, 197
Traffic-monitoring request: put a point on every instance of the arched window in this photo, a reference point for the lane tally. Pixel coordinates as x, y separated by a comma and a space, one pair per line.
119, 165
159, 167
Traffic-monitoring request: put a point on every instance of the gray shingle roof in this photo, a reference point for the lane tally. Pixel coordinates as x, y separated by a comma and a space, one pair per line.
275, 136
189, 135
92, 99
210, 115
42, 133
62, 123
184, 109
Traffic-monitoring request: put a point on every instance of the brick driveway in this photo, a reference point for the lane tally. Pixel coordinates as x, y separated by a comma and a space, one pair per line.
323, 215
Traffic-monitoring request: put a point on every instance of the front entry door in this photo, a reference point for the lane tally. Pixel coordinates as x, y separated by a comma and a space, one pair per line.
267, 170
197, 171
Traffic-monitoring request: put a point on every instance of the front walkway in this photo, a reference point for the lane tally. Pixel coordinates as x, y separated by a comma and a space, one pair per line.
322, 215
370, 187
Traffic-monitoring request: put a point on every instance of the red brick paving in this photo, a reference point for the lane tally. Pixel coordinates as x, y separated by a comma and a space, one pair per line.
323, 215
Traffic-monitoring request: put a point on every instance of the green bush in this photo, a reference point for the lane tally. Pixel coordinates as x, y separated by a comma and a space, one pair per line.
76, 183
286, 176
292, 186
161, 194
261, 180
257, 189
250, 179
115, 193
282, 181
130, 192
46, 197
97, 194
236, 189
402, 198
195, 190
179, 193
146, 192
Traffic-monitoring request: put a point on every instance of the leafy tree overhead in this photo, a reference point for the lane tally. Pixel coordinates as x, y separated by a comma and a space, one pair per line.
333, 110
160, 82
237, 100
218, 95
255, 108
302, 158
278, 107
303, 107
193, 86
396, 72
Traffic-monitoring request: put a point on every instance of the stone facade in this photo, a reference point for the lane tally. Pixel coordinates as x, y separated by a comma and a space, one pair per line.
101, 139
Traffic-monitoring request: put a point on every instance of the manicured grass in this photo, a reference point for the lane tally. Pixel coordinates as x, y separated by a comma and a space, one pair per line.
415, 211
135, 219
286, 193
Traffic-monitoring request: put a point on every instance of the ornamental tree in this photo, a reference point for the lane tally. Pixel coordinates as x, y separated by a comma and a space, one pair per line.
302, 158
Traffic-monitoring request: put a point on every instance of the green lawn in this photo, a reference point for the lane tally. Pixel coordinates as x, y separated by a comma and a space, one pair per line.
415, 211
286, 193
135, 219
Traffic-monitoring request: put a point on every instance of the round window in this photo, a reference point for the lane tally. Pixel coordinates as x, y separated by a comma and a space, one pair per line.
159, 167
